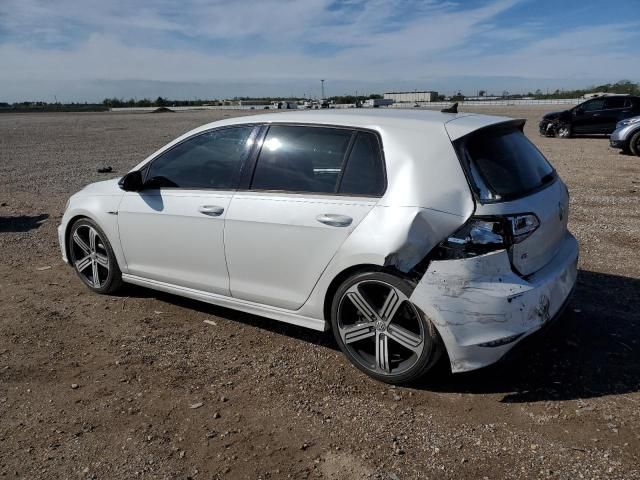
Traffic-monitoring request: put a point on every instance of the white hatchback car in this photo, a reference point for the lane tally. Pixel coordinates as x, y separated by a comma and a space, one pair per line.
408, 233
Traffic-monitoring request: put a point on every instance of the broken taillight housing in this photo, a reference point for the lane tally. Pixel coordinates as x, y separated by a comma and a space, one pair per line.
482, 235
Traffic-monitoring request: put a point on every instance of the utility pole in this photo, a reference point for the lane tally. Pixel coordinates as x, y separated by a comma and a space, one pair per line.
322, 86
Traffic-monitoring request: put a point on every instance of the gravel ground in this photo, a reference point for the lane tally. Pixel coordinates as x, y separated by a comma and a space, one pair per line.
138, 386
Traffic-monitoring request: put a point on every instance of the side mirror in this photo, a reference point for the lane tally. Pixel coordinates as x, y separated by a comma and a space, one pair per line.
578, 111
131, 182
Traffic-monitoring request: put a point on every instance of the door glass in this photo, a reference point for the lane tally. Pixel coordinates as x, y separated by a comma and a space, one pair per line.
301, 159
364, 173
210, 160
614, 102
593, 105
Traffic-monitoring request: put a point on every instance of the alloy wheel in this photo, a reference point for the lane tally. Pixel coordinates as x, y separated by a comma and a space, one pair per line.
381, 329
89, 255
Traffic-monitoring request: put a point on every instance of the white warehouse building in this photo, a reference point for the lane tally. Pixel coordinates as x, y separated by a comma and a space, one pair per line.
428, 96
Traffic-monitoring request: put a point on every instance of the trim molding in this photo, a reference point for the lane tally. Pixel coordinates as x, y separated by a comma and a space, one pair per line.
274, 313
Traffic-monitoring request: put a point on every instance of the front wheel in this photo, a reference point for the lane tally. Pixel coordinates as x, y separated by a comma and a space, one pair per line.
381, 331
92, 257
563, 131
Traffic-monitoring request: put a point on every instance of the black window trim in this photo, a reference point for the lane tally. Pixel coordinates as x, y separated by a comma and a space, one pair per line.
247, 180
606, 99
253, 136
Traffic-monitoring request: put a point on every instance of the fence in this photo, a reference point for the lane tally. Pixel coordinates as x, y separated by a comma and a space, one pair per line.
551, 101
474, 103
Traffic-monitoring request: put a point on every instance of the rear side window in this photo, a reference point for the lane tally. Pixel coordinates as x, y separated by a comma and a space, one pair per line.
364, 173
301, 159
593, 105
504, 164
614, 102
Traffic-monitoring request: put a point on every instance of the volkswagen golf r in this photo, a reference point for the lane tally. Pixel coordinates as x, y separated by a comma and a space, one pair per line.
408, 233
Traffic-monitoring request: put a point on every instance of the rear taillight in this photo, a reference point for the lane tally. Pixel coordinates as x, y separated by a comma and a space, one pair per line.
481, 235
522, 226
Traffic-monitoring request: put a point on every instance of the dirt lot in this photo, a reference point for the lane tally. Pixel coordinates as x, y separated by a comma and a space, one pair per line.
105, 387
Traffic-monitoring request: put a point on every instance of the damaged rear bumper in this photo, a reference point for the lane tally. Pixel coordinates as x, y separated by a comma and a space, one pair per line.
482, 309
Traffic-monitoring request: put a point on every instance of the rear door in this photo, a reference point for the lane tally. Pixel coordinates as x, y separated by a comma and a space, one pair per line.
614, 111
311, 187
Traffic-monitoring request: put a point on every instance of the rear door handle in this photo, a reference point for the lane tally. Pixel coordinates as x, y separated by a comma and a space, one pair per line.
211, 210
334, 220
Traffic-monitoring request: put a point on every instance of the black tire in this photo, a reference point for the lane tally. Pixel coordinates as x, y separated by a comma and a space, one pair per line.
364, 334
81, 251
634, 143
563, 130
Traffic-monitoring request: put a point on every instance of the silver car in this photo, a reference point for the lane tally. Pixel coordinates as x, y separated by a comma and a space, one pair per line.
627, 136
407, 233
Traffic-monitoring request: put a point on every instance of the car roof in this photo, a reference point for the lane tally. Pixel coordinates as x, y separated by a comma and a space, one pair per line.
377, 119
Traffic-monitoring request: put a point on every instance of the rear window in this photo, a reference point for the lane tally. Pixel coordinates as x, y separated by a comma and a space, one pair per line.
503, 163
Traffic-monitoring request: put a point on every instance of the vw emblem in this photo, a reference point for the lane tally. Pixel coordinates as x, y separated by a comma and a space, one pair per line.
560, 211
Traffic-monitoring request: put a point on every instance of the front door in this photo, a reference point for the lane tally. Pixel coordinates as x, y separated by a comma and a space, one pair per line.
616, 108
589, 117
173, 230
311, 187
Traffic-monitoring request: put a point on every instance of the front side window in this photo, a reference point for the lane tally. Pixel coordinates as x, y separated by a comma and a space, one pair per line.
210, 160
593, 105
301, 159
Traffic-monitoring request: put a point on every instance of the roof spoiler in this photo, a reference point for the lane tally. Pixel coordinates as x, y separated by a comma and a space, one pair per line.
452, 109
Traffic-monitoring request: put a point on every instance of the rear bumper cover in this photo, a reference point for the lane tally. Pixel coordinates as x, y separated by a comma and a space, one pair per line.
482, 309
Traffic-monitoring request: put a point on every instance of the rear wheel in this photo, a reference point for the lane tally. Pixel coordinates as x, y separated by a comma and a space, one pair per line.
92, 257
634, 143
381, 331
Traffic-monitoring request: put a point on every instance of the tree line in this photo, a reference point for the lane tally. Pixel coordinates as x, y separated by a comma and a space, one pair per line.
620, 87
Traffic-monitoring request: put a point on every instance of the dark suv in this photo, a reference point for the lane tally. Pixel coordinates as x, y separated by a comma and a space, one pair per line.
598, 115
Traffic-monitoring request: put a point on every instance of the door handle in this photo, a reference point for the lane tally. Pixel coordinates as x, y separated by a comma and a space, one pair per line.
596, 114
334, 220
211, 210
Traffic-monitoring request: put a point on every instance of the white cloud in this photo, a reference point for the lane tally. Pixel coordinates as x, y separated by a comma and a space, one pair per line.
86, 50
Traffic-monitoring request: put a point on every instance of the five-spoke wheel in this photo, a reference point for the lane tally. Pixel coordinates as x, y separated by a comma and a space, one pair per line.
92, 257
381, 330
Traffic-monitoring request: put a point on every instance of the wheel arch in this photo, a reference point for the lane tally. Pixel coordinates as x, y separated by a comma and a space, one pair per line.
110, 231
349, 272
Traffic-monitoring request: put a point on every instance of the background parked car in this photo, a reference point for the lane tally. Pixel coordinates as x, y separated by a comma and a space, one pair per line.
596, 116
627, 136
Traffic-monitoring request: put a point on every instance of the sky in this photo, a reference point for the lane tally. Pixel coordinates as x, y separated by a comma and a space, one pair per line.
86, 50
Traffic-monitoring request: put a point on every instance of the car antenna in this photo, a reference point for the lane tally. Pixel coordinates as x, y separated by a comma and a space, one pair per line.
452, 109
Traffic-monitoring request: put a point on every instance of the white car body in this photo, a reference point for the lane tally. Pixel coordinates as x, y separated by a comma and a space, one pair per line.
268, 254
